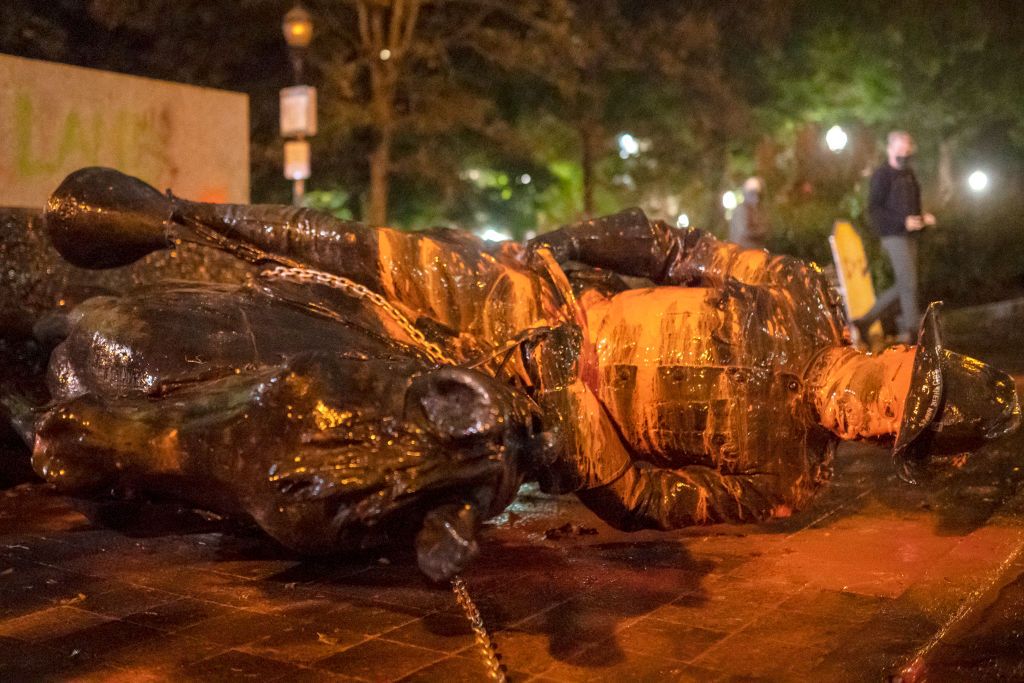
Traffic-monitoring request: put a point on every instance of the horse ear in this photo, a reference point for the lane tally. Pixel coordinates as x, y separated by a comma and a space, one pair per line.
458, 404
101, 218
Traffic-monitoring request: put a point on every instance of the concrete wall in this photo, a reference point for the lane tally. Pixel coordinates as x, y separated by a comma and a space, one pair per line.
56, 118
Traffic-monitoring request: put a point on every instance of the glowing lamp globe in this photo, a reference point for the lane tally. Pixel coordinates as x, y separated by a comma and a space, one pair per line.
978, 181
628, 146
297, 27
836, 139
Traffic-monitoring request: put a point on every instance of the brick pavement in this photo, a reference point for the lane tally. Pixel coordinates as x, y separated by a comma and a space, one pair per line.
853, 589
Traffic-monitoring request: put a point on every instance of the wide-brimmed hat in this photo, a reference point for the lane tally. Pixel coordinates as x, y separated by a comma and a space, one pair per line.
955, 402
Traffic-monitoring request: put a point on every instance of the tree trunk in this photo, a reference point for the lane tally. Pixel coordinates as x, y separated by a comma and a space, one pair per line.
946, 183
380, 177
590, 136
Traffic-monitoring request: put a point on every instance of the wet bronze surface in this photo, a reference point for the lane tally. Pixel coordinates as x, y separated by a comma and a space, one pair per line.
375, 381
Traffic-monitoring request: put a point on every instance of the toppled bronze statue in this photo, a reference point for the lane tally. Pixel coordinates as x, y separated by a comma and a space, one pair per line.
373, 384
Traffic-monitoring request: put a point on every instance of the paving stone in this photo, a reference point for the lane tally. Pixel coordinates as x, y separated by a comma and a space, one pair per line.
110, 674
238, 627
602, 664
840, 605
369, 618
101, 640
439, 631
749, 655
574, 626
380, 660
235, 666
178, 614
820, 630
160, 656
119, 600
49, 623
726, 606
466, 669
20, 660
308, 675
303, 643
526, 646
671, 641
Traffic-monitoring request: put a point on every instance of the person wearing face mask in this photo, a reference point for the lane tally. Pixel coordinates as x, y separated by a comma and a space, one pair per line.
894, 205
749, 226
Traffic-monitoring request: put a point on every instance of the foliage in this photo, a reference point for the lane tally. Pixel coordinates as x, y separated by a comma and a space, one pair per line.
403, 86
335, 202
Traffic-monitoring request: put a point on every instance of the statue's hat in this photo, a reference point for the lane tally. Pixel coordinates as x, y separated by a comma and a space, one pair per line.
955, 402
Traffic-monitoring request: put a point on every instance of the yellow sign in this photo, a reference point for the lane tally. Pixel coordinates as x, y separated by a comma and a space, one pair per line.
854, 275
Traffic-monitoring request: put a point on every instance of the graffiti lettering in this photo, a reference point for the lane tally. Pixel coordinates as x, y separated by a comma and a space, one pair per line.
47, 139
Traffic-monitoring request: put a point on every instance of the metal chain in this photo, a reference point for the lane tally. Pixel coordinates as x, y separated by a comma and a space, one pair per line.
489, 649
495, 669
309, 275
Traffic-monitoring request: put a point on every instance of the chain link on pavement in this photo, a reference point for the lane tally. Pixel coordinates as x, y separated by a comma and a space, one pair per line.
488, 648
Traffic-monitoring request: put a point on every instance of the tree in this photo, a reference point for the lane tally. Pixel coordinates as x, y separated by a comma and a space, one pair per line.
402, 80
945, 71
657, 70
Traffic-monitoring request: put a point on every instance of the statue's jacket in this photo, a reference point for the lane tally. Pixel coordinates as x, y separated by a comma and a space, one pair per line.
679, 403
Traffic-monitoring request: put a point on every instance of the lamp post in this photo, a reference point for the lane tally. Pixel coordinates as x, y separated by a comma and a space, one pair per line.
298, 103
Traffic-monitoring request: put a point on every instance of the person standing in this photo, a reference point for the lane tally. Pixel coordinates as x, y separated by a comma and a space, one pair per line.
894, 205
749, 226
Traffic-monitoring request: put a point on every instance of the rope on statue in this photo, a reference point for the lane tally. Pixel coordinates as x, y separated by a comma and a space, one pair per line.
495, 669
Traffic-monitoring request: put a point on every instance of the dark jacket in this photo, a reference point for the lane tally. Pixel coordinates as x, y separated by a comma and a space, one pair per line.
894, 195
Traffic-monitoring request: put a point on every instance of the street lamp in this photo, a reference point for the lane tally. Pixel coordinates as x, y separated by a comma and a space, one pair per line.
629, 146
978, 182
836, 139
298, 103
297, 28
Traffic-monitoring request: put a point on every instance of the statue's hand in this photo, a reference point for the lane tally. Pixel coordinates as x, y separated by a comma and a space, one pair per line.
447, 541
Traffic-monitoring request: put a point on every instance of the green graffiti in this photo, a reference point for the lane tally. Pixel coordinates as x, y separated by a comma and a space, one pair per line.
133, 141
23, 124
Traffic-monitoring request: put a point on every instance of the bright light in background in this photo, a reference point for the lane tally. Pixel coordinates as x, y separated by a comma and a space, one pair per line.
525, 179
729, 201
683, 221
629, 146
492, 235
978, 181
836, 139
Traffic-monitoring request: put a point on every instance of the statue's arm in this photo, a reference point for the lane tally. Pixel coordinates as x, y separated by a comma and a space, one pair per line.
629, 243
625, 242
315, 239
422, 272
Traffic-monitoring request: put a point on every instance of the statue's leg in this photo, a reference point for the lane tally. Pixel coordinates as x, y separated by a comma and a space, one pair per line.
661, 498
